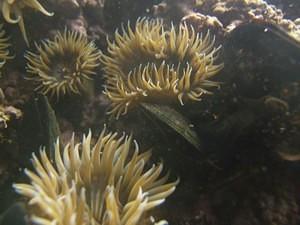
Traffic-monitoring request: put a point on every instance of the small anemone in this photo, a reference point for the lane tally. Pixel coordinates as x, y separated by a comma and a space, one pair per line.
12, 12
8, 113
151, 64
101, 184
4, 117
4, 52
61, 66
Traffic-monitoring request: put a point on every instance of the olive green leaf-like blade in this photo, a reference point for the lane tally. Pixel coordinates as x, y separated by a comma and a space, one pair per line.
174, 120
14, 215
53, 129
49, 123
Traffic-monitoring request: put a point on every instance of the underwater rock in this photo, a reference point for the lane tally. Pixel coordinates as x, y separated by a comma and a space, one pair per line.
226, 15
259, 93
93, 8
263, 54
94, 112
78, 24
269, 208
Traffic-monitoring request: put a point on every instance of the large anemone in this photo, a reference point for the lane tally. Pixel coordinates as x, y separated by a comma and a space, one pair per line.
101, 184
12, 12
151, 64
4, 52
63, 65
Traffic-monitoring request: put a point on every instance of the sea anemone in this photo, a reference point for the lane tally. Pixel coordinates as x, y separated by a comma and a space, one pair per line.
4, 52
151, 64
103, 184
12, 12
8, 113
63, 65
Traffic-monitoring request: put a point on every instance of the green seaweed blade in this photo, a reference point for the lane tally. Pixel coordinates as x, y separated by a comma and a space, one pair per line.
14, 215
175, 120
50, 125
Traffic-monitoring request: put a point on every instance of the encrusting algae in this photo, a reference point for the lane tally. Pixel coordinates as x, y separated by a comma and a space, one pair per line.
12, 12
103, 184
151, 64
61, 66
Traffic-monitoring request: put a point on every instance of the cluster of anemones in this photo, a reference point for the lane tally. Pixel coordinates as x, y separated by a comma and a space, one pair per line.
15, 7
152, 64
63, 65
104, 183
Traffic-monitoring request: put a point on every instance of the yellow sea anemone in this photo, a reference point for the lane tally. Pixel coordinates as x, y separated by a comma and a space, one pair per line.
151, 64
62, 65
4, 52
103, 184
12, 12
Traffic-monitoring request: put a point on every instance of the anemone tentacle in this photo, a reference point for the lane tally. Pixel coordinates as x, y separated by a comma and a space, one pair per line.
4, 45
12, 12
